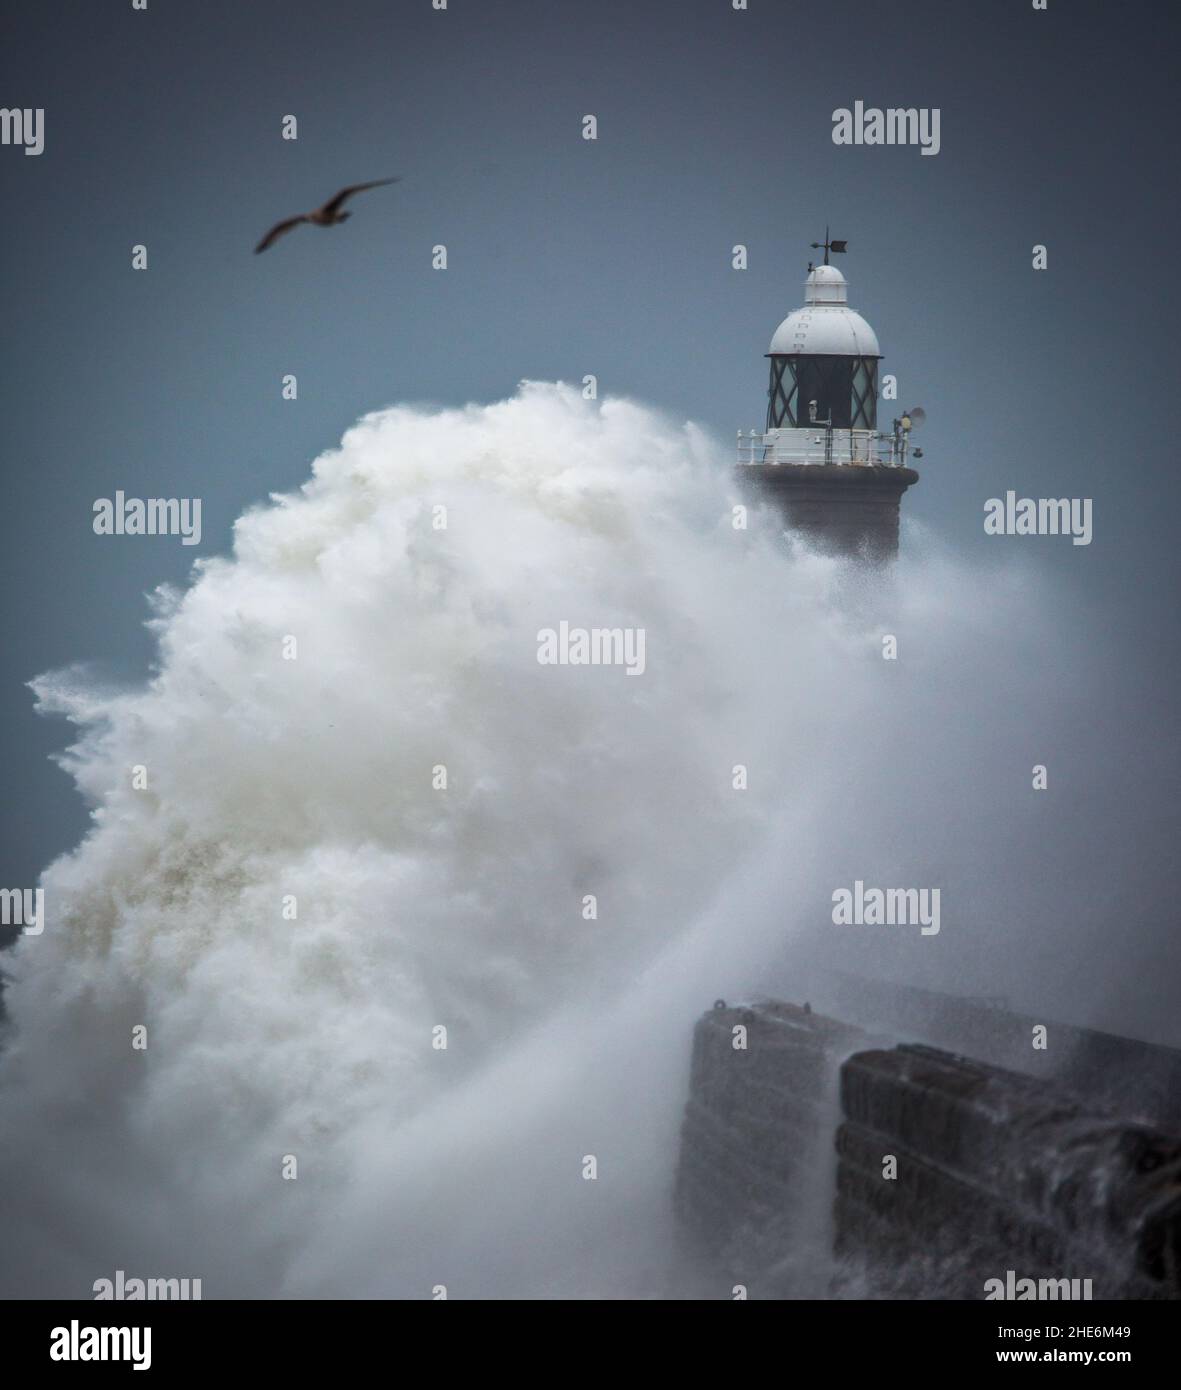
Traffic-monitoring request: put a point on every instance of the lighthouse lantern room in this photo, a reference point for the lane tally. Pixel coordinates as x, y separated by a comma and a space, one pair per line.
824, 361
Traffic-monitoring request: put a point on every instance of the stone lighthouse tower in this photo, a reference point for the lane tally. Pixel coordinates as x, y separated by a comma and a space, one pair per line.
833, 475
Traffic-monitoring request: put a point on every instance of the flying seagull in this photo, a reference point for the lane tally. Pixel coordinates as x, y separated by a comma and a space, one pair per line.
327, 216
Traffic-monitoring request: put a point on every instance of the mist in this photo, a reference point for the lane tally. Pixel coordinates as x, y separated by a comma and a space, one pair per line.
351, 807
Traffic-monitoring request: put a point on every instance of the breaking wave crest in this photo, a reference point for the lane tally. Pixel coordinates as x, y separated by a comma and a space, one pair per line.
350, 808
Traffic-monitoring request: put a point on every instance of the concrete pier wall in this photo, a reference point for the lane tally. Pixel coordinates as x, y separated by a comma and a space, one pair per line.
994, 1171
948, 1172
1127, 1075
755, 1172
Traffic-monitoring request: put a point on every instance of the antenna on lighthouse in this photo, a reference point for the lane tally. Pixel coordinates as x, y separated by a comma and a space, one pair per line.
837, 247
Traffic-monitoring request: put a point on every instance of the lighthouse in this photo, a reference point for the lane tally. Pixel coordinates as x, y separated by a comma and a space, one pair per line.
833, 476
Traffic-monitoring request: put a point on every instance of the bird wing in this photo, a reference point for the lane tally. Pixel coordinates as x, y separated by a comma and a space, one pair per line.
278, 230
334, 206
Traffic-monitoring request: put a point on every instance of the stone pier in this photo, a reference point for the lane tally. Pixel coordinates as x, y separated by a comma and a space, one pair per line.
993, 1171
757, 1133
948, 1172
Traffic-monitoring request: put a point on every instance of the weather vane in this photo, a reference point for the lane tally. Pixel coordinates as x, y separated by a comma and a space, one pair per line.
835, 246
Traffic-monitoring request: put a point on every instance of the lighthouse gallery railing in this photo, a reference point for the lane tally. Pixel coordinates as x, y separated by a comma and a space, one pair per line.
863, 448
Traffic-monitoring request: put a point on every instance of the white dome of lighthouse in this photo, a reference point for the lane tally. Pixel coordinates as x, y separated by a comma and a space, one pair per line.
825, 326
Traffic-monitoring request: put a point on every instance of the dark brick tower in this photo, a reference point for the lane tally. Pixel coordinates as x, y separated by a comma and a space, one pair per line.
833, 475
